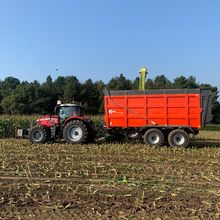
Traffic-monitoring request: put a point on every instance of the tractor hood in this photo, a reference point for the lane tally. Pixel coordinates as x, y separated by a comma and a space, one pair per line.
48, 120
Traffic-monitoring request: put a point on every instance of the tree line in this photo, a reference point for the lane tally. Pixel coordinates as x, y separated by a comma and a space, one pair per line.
24, 97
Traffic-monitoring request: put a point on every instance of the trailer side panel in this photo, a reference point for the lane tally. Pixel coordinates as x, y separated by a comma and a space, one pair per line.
138, 110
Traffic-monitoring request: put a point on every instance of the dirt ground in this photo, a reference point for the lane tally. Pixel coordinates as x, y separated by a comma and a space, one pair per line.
110, 181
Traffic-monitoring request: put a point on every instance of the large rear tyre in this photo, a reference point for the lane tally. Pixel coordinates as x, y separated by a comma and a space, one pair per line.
153, 137
178, 138
38, 134
75, 132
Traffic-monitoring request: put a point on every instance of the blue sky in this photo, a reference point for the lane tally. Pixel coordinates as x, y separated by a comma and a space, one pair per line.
100, 39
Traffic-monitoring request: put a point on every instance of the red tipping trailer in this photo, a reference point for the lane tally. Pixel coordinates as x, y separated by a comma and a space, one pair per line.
158, 115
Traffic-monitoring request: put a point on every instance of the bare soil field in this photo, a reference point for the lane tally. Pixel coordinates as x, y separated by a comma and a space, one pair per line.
110, 181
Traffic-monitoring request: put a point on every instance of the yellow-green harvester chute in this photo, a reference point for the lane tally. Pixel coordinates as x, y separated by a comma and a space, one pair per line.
143, 75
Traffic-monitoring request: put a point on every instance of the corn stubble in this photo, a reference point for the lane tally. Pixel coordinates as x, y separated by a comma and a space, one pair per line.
102, 181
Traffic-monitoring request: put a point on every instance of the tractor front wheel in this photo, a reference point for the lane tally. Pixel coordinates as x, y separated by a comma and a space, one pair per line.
75, 132
38, 134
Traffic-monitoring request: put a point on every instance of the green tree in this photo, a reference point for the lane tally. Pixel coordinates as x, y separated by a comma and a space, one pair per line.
150, 84
8, 85
20, 100
59, 85
72, 89
135, 83
191, 83
99, 86
161, 82
90, 97
120, 83
180, 82
49, 96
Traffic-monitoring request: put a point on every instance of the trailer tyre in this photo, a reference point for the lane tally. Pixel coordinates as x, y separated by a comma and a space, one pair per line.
38, 134
75, 132
178, 138
153, 137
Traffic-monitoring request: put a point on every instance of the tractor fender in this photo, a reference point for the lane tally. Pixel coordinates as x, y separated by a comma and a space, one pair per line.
83, 119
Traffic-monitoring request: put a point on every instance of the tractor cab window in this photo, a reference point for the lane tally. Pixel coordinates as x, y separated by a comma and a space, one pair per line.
68, 111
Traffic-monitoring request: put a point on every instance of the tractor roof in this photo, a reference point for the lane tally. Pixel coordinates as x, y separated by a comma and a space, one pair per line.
69, 105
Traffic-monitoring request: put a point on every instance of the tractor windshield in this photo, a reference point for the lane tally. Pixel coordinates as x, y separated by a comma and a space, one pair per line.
68, 111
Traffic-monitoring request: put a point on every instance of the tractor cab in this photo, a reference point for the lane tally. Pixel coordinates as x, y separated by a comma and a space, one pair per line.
64, 111
67, 110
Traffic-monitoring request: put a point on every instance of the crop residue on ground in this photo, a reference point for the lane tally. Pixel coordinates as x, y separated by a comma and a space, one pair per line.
124, 181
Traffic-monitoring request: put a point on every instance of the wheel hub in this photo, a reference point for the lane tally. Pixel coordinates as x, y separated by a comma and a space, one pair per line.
75, 133
154, 138
179, 139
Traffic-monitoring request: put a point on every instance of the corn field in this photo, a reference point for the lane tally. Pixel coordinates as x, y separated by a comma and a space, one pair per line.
10, 124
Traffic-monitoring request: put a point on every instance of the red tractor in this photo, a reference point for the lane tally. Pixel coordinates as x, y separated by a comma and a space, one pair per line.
68, 122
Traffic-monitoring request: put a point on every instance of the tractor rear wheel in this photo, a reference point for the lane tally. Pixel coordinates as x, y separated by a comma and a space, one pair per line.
153, 137
38, 134
75, 132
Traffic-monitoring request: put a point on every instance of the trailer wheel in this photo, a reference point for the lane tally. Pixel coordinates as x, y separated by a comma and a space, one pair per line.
75, 132
38, 134
178, 138
153, 137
